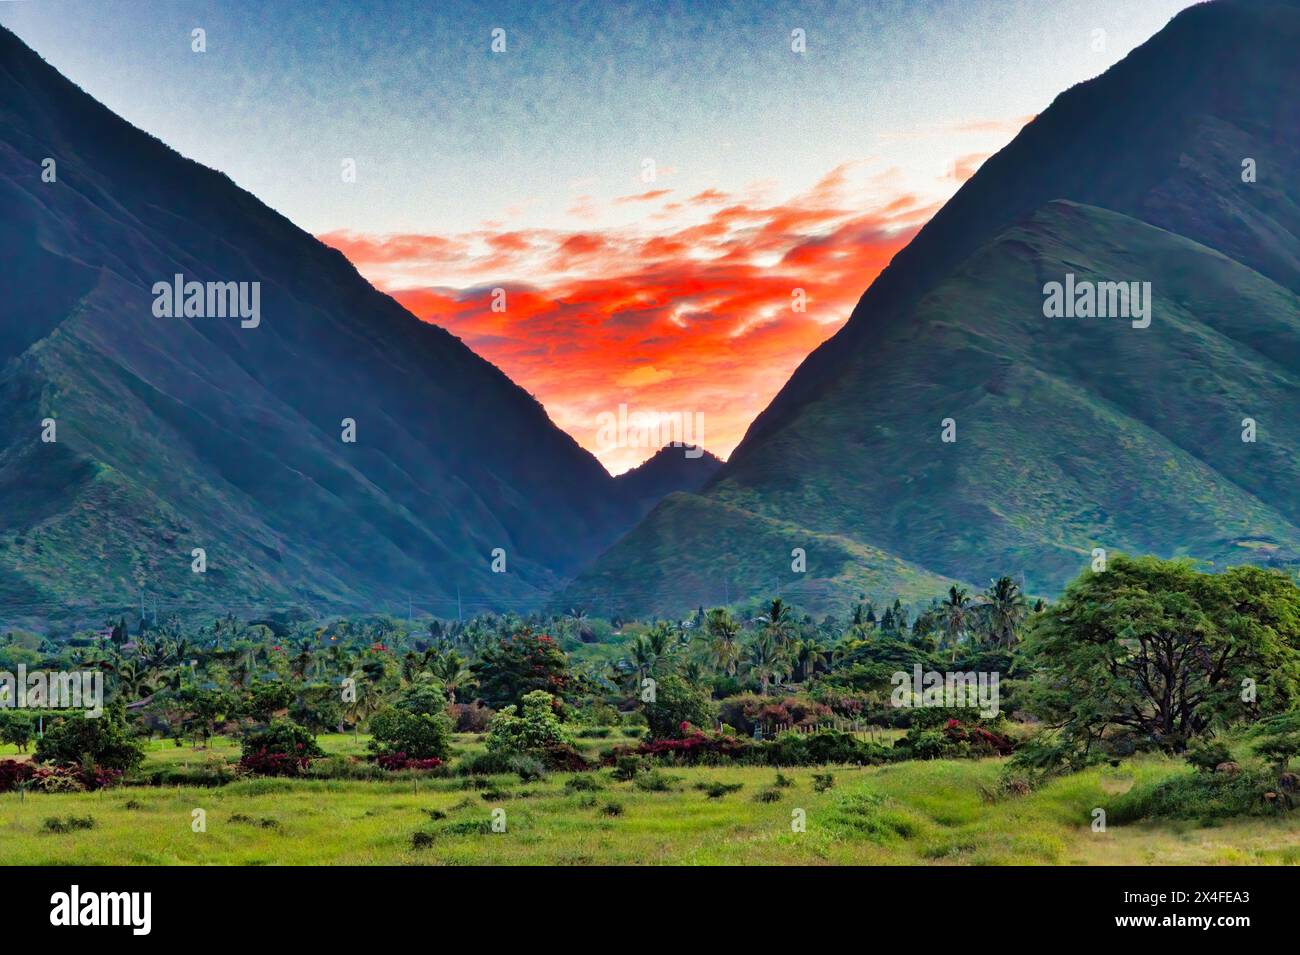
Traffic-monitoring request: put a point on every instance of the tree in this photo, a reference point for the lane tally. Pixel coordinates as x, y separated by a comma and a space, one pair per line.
764, 661
417, 725
1280, 740
677, 703
1006, 609
809, 654
203, 708
537, 732
723, 631
955, 611
777, 624
1164, 653
520, 664
78, 740
16, 728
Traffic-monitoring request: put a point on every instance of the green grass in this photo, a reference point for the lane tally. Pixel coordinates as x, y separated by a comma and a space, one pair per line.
909, 813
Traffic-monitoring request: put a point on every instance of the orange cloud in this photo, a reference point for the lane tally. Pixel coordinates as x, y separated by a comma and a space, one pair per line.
704, 316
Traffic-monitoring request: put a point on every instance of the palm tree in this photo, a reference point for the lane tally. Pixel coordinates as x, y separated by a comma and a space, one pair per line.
955, 611
1007, 609
723, 630
455, 675
365, 700
764, 661
809, 654
643, 657
778, 623
581, 627
661, 640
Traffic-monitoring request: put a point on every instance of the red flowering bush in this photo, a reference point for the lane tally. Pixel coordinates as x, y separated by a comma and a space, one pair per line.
395, 761
14, 773
282, 749
982, 741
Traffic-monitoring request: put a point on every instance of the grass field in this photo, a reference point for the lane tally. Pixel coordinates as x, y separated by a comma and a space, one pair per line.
906, 813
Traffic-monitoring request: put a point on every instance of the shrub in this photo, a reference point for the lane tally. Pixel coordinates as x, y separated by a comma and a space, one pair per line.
281, 749
1202, 796
677, 707
415, 735
528, 768
54, 824
697, 748
718, 790
626, 767
820, 749
823, 782
656, 782
579, 784
399, 761
103, 742
1206, 755
538, 732
746, 711
483, 764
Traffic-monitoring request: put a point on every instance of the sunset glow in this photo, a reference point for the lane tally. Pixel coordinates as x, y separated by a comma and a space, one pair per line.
693, 312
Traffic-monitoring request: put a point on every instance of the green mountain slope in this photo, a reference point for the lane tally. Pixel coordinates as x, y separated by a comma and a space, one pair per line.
1074, 433
175, 434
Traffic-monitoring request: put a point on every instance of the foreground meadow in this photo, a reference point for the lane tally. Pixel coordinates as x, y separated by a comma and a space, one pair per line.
927, 812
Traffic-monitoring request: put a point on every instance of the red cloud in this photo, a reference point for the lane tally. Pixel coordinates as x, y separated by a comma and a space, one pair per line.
700, 318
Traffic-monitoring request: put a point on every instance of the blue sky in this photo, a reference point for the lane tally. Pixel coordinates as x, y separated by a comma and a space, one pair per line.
447, 134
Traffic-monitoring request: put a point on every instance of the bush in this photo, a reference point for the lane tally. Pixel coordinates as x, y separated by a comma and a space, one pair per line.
747, 711
103, 742
718, 790
54, 779
677, 707
57, 825
538, 733
483, 764
1203, 797
582, 784
697, 748
1206, 756
412, 733
826, 748
627, 767
282, 749
398, 761
656, 782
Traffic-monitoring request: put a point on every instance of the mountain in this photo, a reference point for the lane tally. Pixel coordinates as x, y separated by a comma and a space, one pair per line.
1070, 433
667, 471
173, 433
